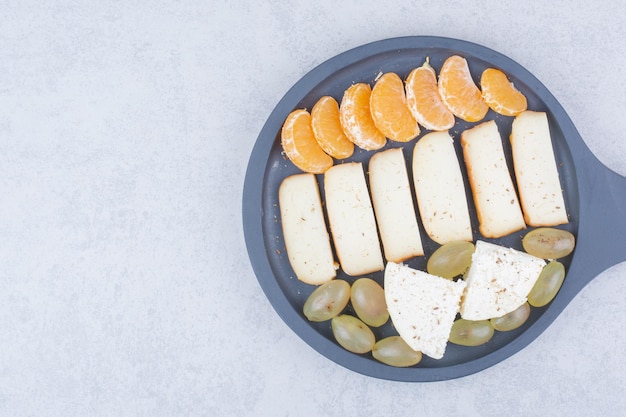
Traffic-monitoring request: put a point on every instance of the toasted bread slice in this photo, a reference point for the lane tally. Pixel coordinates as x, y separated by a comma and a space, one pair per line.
351, 219
497, 206
306, 238
439, 189
393, 206
536, 172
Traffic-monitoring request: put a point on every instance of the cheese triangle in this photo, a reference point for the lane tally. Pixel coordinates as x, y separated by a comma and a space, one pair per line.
422, 307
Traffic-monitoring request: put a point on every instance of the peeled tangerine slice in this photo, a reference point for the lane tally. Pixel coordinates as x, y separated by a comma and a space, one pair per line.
458, 91
536, 172
424, 101
327, 129
306, 237
422, 307
351, 219
300, 146
440, 191
500, 94
356, 118
393, 205
497, 206
389, 109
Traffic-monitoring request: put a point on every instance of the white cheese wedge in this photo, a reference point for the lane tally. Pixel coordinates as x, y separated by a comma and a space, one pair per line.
351, 219
497, 207
306, 238
536, 171
393, 206
439, 189
498, 281
422, 307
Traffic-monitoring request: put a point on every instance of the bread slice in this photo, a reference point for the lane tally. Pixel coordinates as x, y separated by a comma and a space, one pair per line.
422, 307
439, 189
351, 219
393, 206
536, 171
306, 238
498, 281
497, 206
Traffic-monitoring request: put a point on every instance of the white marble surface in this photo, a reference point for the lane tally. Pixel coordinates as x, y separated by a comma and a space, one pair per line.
125, 131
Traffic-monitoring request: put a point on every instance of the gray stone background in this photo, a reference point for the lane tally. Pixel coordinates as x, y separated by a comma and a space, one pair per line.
125, 131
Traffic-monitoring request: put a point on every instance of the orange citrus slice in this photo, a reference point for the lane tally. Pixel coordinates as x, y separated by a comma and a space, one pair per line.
300, 145
356, 118
458, 91
327, 128
389, 109
424, 101
500, 94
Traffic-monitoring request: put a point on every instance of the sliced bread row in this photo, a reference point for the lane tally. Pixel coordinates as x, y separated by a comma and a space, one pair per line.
369, 220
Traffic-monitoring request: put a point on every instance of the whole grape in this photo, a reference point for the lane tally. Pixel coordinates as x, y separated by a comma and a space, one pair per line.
327, 300
352, 334
368, 300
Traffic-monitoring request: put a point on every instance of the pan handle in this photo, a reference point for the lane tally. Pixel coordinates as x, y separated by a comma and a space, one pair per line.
601, 241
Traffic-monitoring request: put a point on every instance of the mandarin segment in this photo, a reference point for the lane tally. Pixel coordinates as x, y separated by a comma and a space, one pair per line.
459, 92
424, 101
356, 118
500, 94
389, 109
327, 128
300, 146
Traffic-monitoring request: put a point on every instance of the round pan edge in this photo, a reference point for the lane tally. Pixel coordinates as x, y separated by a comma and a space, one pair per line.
253, 228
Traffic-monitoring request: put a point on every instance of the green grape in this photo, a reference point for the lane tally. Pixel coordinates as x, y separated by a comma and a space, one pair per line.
450, 259
547, 285
394, 351
549, 243
327, 300
368, 301
352, 334
512, 320
471, 333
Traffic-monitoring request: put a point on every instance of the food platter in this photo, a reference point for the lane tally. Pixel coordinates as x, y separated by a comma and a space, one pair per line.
595, 199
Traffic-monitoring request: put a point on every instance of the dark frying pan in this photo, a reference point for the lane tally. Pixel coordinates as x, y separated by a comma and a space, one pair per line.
595, 198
